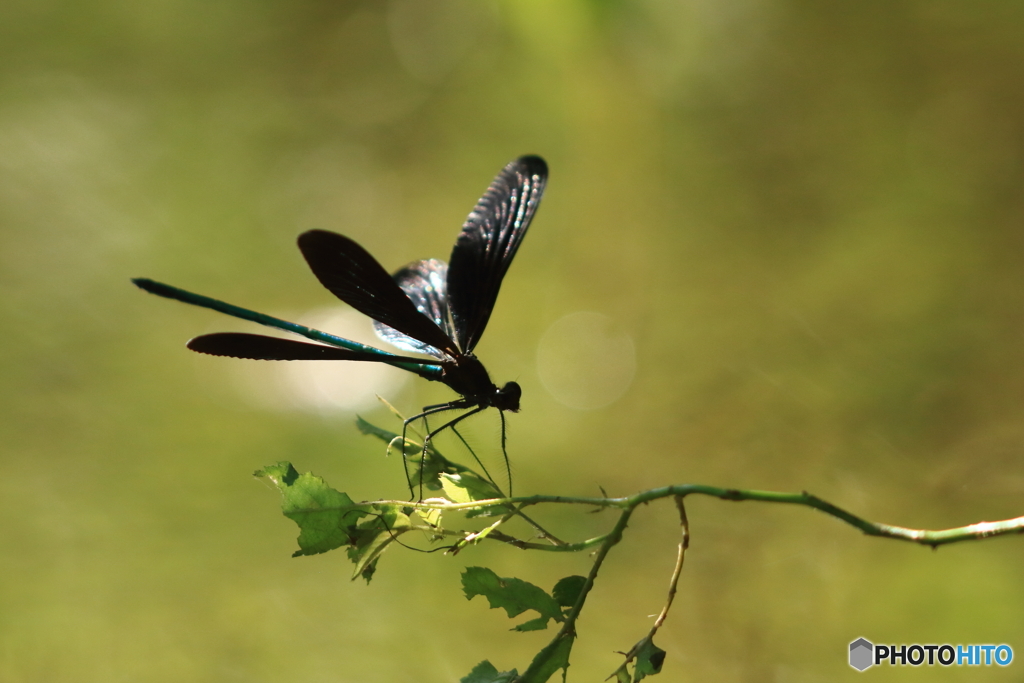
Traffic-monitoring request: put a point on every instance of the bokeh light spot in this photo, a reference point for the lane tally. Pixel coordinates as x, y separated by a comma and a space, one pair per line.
584, 363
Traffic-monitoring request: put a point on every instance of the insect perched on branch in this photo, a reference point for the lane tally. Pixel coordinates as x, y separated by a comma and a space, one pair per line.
428, 307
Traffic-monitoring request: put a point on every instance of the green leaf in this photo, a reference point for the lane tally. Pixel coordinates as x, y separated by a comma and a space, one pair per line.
373, 536
567, 591
649, 658
553, 657
327, 518
538, 624
368, 571
430, 516
467, 488
484, 672
515, 596
411, 448
432, 462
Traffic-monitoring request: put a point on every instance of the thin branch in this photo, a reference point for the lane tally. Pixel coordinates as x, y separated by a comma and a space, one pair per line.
684, 543
673, 584
568, 629
556, 653
933, 538
513, 541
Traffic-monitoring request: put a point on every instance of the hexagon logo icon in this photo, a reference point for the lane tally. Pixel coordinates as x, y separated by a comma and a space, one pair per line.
861, 654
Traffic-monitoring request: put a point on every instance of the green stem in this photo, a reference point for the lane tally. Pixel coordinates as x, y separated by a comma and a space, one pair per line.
567, 634
517, 542
673, 585
927, 537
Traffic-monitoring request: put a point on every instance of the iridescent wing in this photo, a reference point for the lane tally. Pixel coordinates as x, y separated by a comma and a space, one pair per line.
355, 277
488, 243
425, 283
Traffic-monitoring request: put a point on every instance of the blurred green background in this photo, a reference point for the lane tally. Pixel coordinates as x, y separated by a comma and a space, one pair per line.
799, 223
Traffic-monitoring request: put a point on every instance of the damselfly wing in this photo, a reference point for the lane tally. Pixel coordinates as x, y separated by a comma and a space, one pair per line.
429, 307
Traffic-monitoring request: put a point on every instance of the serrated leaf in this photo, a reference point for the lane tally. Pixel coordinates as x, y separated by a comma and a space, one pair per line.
326, 517
567, 591
369, 570
373, 537
515, 596
484, 672
649, 658
281, 472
